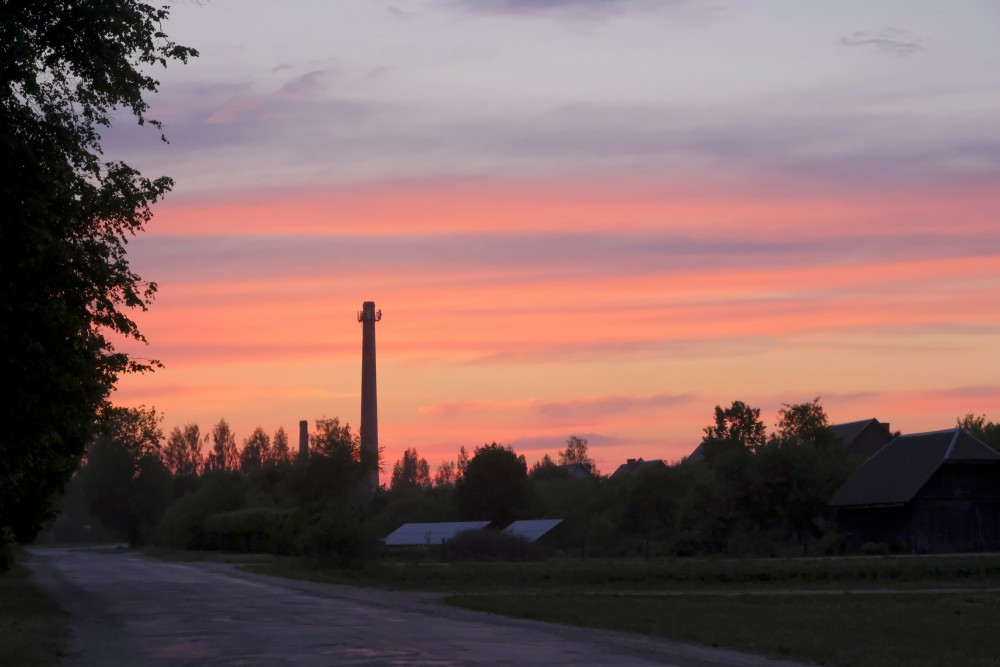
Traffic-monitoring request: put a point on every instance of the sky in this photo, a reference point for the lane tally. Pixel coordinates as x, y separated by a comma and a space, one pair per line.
579, 217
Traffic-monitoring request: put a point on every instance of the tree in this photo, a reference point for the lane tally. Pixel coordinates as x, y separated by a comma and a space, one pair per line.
335, 441
736, 427
445, 474
66, 287
495, 485
125, 482
279, 452
980, 427
224, 455
256, 451
545, 468
804, 423
182, 455
576, 452
411, 472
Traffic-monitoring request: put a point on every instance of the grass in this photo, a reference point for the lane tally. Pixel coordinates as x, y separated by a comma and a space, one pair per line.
34, 630
844, 629
613, 575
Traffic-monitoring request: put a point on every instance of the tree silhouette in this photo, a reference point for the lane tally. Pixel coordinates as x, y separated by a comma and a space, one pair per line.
66, 286
410, 472
182, 454
224, 455
495, 485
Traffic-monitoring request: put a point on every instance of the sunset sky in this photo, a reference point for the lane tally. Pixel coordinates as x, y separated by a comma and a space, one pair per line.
591, 217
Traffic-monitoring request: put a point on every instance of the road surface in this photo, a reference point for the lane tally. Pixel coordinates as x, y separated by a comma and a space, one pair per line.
133, 610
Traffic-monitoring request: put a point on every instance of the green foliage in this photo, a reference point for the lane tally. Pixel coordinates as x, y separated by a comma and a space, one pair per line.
182, 454
223, 455
66, 287
183, 523
495, 485
256, 451
254, 530
336, 533
981, 427
34, 629
125, 482
279, 452
410, 472
577, 452
736, 427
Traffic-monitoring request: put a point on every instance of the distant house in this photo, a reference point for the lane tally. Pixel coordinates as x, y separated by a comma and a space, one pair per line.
863, 437
633, 467
578, 470
697, 456
932, 492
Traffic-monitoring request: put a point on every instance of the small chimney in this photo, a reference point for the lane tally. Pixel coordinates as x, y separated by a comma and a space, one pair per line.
630, 462
303, 440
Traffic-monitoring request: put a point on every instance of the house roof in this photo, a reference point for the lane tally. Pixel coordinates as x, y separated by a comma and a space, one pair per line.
850, 431
894, 474
635, 466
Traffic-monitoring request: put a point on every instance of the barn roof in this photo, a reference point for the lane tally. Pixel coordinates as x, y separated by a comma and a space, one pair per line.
894, 474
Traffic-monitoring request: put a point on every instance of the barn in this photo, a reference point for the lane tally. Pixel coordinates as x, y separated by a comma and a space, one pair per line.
936, 492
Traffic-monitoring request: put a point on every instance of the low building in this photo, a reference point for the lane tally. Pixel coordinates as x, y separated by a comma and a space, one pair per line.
934, 492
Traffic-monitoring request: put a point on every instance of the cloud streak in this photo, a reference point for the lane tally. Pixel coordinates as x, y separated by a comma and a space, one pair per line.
890, 42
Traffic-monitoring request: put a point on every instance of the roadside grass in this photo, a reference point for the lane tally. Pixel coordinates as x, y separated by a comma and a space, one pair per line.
616, 575
34, 630
872, 630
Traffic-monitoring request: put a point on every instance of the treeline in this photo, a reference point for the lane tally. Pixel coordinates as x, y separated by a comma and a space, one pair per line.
744, 491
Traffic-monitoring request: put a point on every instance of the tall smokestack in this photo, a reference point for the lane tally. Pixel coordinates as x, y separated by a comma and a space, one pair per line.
303, 440
368, 316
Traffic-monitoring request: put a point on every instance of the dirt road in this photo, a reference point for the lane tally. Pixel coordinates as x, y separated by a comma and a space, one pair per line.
132, 610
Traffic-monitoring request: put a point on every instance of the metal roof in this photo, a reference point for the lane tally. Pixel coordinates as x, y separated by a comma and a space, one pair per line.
532, 529
894, 474
413, 534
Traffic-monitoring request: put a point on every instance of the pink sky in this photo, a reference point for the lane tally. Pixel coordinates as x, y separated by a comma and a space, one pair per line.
565, 234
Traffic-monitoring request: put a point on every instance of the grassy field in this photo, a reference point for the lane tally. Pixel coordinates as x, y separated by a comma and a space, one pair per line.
34, 630
843, 629
614, 575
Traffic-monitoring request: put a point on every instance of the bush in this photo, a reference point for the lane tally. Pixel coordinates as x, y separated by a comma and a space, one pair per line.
183, 524
491, 545
253, 530
874, 549
335, 533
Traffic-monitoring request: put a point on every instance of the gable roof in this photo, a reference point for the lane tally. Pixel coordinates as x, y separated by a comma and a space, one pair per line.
633, 467
849, 432
894, 474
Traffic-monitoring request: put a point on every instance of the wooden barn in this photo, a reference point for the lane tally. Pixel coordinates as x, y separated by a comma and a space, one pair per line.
935, 492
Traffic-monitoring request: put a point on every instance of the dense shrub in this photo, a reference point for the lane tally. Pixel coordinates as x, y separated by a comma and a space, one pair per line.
183, 524
254, 530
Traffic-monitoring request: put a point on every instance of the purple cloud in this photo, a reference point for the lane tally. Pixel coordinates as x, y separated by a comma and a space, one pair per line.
580, 9
891, 42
